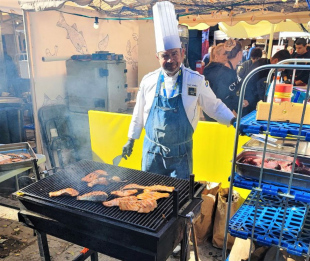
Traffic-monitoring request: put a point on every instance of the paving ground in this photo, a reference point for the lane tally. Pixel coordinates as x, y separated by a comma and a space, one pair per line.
18, 242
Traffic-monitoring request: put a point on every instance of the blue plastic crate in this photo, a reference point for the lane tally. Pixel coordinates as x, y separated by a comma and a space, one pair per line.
272, 189
249, 125
269, 217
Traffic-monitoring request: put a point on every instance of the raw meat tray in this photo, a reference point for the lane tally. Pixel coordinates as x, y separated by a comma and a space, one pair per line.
249, 125
22, 147
277, 177
271, 189
268, 223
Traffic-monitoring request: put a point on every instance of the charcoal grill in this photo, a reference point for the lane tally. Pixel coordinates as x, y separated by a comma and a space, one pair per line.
124, 235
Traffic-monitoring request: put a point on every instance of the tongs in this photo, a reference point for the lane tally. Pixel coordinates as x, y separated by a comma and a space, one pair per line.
270, 141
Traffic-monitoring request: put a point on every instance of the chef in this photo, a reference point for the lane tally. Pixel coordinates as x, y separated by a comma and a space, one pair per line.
167, 104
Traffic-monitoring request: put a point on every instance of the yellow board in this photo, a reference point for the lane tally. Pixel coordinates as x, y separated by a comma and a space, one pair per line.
212, 153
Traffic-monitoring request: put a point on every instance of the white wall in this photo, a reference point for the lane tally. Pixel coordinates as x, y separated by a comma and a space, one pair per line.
147, 49
48, 38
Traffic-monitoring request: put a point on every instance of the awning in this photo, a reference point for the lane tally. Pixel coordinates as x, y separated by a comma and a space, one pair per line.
192, 12
44, 5
245, 30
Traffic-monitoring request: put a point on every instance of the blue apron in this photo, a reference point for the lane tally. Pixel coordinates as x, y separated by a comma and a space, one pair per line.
168, 143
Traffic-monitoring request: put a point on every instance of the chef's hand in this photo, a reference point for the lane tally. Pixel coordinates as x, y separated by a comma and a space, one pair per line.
233, 120
127, 149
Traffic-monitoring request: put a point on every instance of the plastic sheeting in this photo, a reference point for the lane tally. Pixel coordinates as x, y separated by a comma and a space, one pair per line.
41, 5
249, 17
192, 12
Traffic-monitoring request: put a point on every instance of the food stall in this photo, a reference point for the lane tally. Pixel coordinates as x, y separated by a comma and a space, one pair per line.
108, 133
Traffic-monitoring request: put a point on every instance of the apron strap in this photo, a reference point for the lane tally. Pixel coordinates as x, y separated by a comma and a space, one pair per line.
165, 148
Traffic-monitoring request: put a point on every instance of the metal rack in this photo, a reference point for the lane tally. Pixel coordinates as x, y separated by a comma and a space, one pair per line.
286, 195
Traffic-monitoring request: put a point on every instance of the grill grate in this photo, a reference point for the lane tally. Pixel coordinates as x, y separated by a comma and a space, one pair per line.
71, 177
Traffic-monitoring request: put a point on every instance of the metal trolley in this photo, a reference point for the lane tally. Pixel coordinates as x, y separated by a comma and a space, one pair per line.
284, 207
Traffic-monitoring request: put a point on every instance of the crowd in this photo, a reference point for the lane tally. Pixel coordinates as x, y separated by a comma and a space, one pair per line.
227, 64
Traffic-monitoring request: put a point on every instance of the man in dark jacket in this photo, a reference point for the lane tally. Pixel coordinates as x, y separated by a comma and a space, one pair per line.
257, 83
301, 76
243, 70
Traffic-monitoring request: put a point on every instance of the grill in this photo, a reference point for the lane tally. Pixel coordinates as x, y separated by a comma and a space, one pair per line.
149, 236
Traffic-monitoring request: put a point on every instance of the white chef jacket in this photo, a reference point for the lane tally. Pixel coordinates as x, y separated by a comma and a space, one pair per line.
201, 95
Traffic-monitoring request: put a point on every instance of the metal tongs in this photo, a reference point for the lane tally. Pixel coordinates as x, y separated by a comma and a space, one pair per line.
270, 141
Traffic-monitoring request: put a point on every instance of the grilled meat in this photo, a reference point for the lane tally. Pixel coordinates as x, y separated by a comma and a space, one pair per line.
141, 206
99, 181
149, 188
25, 155
94, 196
16, 160
158, 188
116, 179
115, 202
147, 205
101, 172
13, 157
152, 195
130, 205
4, 159
124, 193
134, 186
94, 175
64, 192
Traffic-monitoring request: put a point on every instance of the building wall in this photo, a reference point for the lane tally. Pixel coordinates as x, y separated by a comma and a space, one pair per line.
55, 34
147, 49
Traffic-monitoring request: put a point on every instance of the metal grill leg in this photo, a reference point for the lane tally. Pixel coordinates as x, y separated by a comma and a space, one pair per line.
94, 256
185, 251
36, 169
43, 246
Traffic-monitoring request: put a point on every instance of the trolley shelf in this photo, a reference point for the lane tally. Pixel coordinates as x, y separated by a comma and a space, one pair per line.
269, 217
249, 125
300, 194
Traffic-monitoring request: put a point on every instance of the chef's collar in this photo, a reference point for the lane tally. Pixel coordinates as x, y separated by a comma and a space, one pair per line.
173, 76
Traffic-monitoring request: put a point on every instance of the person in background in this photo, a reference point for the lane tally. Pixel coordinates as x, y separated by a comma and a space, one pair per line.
301, 76
206, 57
243, 70
249, 53
257, 83
218, 58
290, 50
264, 54
245, 53
167, 105
223, 77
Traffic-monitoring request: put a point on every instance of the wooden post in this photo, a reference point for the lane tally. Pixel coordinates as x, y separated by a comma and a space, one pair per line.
270, 41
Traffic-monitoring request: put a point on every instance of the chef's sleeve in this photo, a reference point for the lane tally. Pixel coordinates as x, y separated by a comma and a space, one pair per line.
136, 124
213, 106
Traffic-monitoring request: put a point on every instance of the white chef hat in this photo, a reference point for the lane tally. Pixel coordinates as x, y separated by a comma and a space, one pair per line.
166, 26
